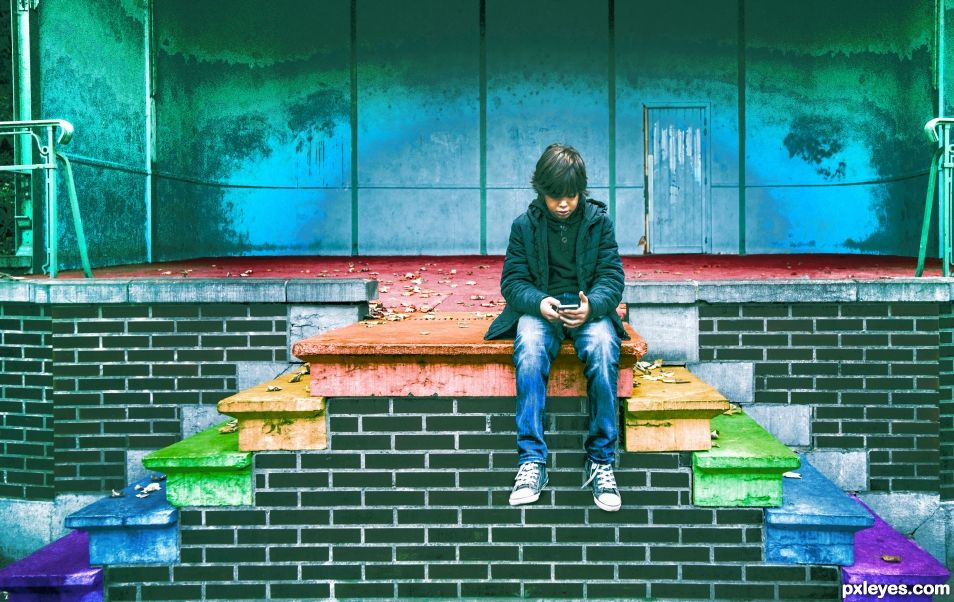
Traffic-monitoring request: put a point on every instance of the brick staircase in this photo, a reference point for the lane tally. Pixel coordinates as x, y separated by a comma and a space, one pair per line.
409, 499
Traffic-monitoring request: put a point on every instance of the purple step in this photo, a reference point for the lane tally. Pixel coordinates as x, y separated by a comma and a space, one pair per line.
872, 578
58, 572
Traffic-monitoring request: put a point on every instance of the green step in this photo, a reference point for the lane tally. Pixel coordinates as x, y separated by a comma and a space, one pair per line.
743, 468
206, 469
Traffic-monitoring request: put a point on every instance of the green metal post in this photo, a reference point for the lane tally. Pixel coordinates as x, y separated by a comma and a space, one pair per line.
51, 209
24, 78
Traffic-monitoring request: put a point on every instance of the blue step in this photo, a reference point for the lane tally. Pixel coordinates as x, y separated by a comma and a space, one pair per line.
816, 523
130, 529
58, 572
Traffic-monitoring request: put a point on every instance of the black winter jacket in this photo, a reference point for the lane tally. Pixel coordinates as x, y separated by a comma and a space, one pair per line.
526, 269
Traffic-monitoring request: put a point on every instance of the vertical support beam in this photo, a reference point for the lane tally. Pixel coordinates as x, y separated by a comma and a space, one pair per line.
51, 209
150, 124
741, 84
611, 100
354, 127
483, 126
24, 106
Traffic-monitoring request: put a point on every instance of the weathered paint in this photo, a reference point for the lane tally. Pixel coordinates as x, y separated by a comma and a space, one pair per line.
254, 136
207, 469
255, 113
91, 73
278, 415
128, 529
671, 416
915, 567
444, 355
745, 470
834, 123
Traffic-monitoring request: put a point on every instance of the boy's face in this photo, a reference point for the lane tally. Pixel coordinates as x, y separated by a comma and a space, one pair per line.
562, 208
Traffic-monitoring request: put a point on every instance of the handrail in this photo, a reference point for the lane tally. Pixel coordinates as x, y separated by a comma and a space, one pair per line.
46, 134
941, 131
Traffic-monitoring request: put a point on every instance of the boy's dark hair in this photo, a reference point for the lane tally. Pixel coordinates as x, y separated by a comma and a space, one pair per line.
560, 173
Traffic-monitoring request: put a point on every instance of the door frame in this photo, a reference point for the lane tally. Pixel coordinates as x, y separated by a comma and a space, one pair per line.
707, 170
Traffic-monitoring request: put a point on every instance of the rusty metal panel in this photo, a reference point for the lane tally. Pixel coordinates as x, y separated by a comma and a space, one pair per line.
91, 72
254, 137
678, 159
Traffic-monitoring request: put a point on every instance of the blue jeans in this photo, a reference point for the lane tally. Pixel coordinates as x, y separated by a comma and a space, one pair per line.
536, 346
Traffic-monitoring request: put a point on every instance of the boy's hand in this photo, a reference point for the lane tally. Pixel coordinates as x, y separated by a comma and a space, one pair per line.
548, 309
573, 318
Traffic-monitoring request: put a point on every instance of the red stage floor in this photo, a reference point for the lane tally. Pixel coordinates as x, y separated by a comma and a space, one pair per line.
472, 282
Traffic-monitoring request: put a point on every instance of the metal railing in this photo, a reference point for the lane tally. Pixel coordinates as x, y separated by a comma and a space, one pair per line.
36, 143
941, 178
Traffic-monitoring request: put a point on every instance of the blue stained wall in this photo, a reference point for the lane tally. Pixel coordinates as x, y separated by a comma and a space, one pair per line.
376, 127
834, 125
92, 73
253, 128
418, 111
547, 66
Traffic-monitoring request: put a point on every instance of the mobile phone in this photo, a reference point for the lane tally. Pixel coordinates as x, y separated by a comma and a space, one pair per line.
563, 307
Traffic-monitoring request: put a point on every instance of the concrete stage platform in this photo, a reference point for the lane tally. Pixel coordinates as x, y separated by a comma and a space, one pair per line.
413, 284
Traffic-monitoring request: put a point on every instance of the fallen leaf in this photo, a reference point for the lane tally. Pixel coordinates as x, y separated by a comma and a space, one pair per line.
890, 558
791, 475
230, 427
115, 493
425, 332
471, 282
151, 487
272, 388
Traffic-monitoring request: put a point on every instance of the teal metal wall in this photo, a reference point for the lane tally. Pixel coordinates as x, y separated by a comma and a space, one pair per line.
380, 127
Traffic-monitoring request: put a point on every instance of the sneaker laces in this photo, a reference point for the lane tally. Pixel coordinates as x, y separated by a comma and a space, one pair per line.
528, 474
603, 473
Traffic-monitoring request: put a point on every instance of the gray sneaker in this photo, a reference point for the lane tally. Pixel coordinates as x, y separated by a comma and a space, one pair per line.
530, 480
601, 478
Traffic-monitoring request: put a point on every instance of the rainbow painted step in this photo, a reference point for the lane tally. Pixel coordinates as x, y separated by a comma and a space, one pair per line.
57, 572
445, 355
130, 529
743, 468
816, 523
672, 416
871, 577
207, 469
278, 415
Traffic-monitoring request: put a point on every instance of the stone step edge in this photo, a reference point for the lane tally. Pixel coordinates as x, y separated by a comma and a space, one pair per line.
881, 539
62, 564
816, 523
671, 416
208, 449
138, 527
278, 415
742, 444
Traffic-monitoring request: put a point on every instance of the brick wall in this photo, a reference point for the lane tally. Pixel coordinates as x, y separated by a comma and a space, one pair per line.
411, 500
26, 402
946, 405
869, 370
122, 373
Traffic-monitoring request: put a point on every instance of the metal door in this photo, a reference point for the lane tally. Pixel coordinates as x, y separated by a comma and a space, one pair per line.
677, 178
